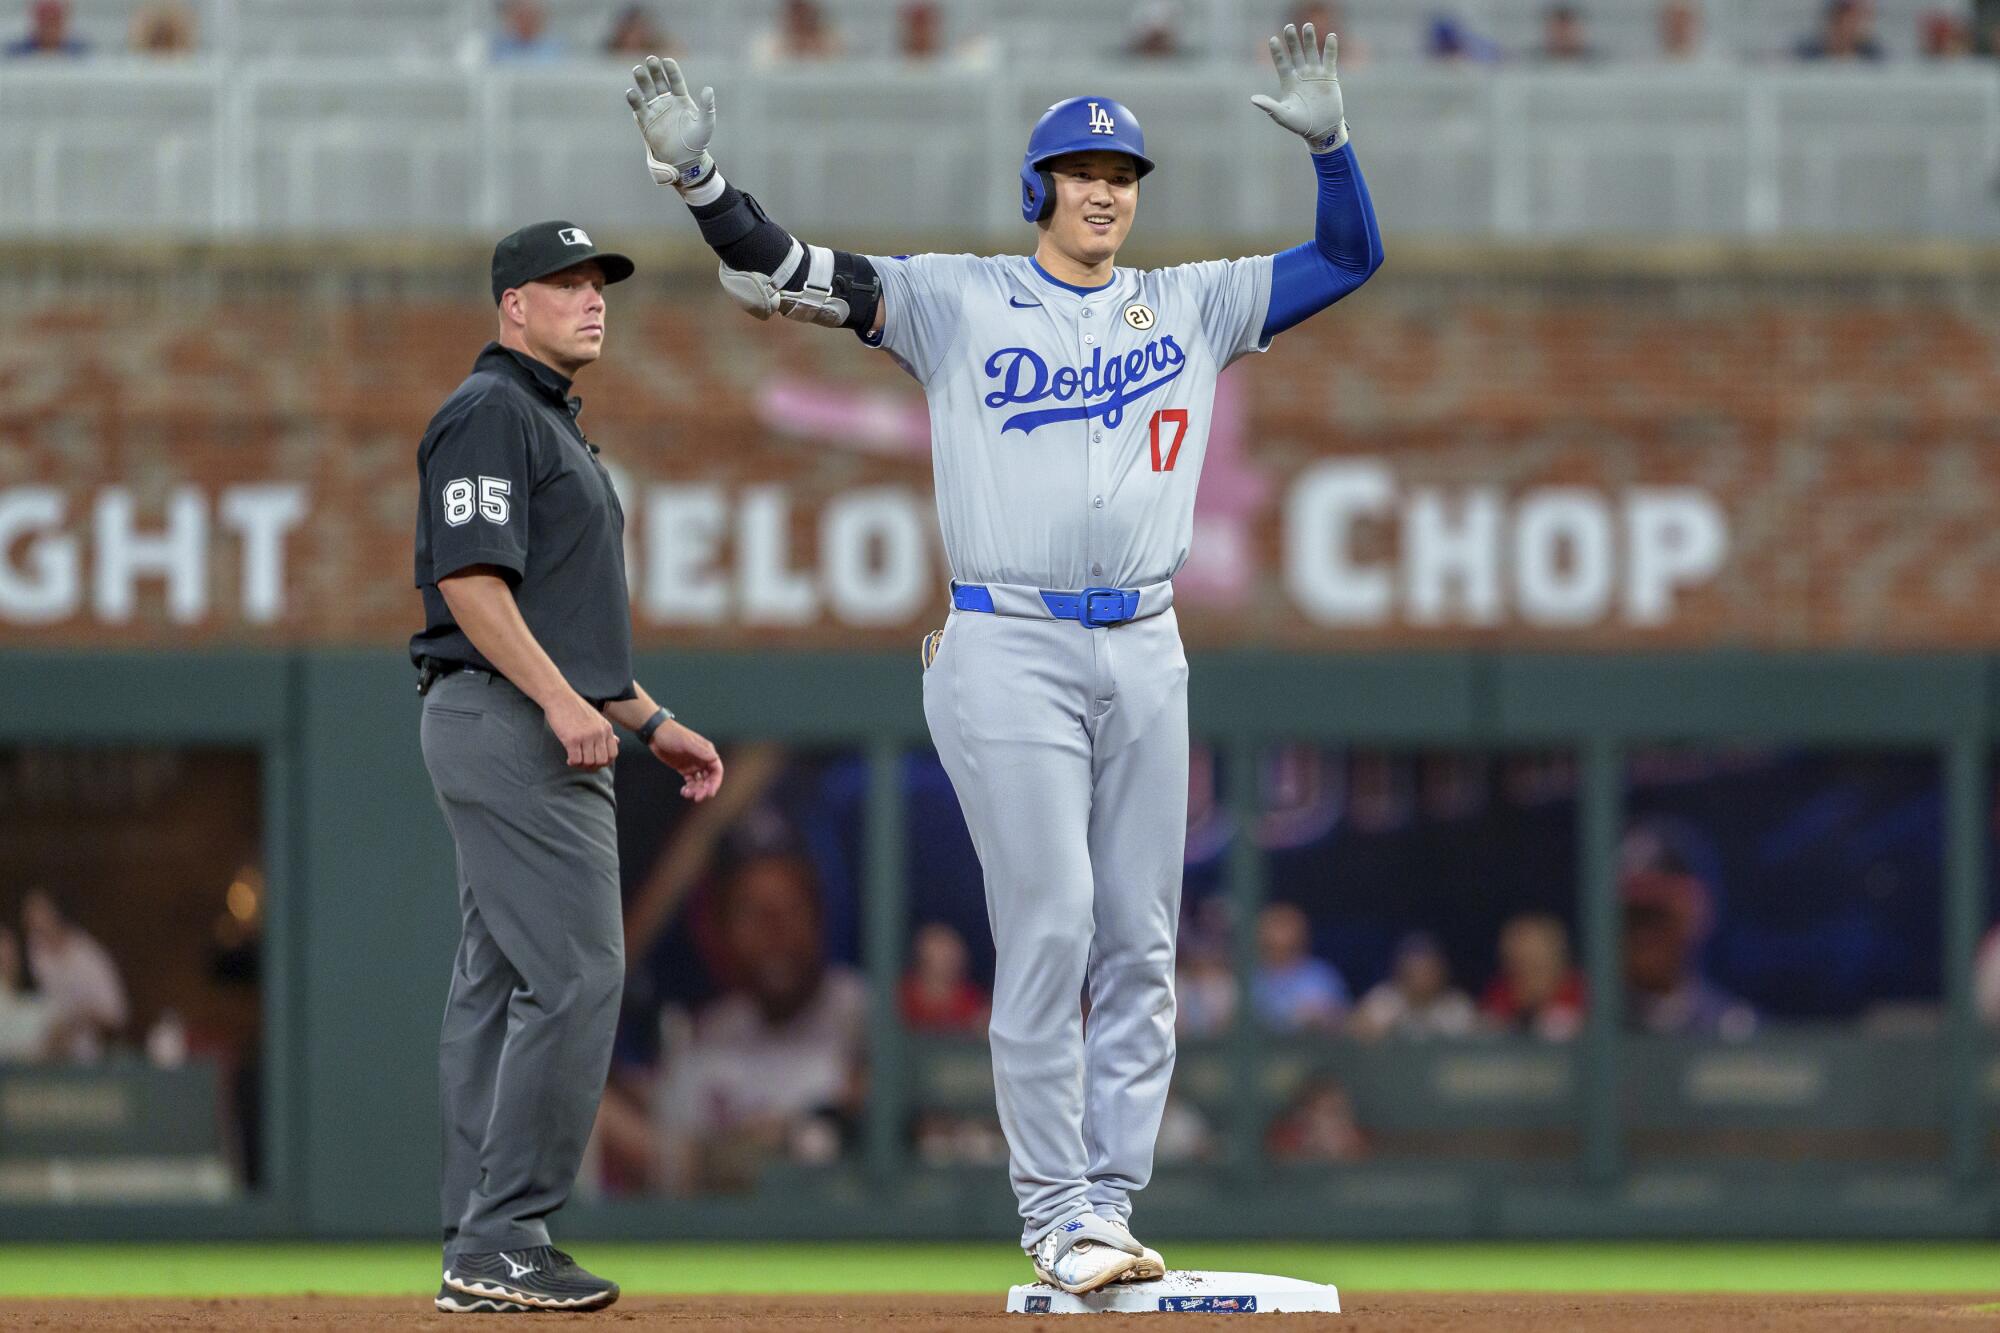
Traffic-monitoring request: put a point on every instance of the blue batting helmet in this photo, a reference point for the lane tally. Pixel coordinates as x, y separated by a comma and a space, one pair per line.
1078, 125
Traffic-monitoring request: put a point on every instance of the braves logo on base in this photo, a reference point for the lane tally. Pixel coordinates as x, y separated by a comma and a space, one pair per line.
1209, 1304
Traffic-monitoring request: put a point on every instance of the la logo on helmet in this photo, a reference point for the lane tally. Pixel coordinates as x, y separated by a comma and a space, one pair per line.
1100, 120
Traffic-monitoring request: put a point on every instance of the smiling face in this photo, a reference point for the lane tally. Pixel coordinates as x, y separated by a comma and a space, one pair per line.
1097, 195
558, 320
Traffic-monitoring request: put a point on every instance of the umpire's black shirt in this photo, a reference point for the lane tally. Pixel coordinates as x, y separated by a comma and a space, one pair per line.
507, 479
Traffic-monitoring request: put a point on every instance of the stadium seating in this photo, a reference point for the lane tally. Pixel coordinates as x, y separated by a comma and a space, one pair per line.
209, 145
1035, 30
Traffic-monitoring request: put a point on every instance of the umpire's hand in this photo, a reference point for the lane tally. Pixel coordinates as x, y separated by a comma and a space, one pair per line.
690, 754
587, 736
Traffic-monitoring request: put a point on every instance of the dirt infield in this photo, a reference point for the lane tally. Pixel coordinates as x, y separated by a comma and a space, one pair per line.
1407, 1313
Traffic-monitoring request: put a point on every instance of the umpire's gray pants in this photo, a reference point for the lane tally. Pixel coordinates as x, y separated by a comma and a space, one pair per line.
534, 995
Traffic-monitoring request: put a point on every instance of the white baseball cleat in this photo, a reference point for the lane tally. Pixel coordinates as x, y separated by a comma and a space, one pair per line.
1151, 1267
1085, 1253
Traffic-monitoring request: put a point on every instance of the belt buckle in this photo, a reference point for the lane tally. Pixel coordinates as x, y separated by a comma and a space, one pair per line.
1086, 612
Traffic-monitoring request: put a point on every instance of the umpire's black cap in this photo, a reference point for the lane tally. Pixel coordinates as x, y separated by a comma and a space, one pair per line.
542, 248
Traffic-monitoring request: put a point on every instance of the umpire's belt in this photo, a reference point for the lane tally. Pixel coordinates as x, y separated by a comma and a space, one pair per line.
1093, 608
430, 670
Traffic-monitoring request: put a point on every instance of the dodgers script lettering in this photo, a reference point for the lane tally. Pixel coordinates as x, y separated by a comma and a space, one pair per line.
1106, 386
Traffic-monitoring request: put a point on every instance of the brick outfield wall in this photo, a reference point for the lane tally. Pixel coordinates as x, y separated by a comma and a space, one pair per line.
1844, 421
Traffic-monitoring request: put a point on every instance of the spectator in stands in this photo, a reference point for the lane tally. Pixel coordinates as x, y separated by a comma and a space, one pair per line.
1185, 1135
28, 1030
634, 35
1942, 35
1317, 1125
1327, 16
163, 28
1537, 991
773, 1067
1986, 979
920, 36
1204, 986
1293, 991
946, 1138
936, 995
48, 32
75, 974
1451, 42
920, 31
1680, 30
524, 36
1665, 920
1847, 32
1417, 999
802, 32
1986, 27
1155, 31
1563, 36
1681, 35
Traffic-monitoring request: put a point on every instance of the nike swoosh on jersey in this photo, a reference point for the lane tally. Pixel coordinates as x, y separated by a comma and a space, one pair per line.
1024, 305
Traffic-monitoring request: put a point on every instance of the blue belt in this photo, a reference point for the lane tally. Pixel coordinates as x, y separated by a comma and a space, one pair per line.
1093, 608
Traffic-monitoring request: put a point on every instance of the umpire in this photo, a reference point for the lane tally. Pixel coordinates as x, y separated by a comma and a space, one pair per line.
525, 661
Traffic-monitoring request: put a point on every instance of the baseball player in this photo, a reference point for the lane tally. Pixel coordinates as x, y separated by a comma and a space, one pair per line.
1069, 404
525, 662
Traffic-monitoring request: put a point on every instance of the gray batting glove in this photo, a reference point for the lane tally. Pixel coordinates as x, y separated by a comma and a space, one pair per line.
677, 128
1308, 101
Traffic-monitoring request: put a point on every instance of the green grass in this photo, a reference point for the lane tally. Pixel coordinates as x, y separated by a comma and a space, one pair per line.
400, 1269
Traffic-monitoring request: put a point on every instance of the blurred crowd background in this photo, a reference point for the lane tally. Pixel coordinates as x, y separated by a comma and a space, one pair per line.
1413, 897
1479, 32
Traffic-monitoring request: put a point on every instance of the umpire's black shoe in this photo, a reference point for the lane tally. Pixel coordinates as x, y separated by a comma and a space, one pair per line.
541, 1278
457, 1302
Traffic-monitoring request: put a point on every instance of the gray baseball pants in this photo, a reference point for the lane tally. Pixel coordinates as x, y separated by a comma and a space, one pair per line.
1068, 749
529, 1020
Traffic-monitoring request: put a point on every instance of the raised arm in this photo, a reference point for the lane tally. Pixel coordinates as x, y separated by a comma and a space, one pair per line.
1346, 248
764, 269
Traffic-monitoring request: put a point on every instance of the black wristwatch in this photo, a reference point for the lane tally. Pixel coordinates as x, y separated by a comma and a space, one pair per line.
645, 733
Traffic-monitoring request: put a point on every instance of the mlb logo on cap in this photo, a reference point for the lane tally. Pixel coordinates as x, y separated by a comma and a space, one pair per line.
542, 248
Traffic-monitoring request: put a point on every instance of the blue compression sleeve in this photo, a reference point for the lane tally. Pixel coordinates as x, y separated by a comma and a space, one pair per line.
1345, 250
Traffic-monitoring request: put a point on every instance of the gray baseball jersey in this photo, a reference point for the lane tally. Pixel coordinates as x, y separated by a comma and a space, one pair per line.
1068, 428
